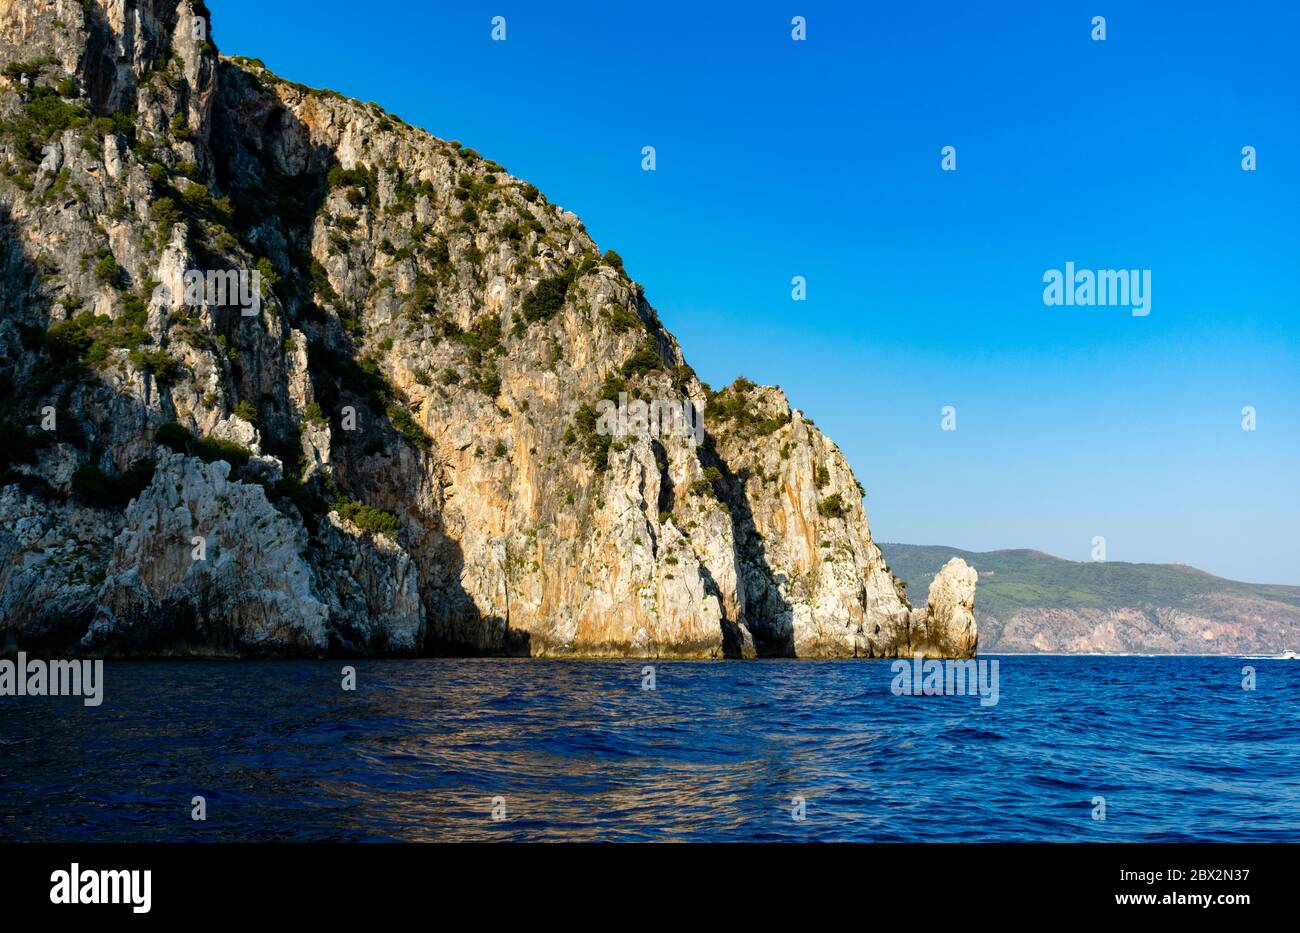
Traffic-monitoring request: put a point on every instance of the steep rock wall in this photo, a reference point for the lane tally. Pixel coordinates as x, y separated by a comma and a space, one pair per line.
397, 444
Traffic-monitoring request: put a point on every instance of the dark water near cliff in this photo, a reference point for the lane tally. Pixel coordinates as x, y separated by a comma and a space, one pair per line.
580, 752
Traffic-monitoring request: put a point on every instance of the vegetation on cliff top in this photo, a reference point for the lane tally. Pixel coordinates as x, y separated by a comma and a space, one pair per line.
734, 409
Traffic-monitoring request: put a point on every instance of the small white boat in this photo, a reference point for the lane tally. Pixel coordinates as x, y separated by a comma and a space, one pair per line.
1288, 656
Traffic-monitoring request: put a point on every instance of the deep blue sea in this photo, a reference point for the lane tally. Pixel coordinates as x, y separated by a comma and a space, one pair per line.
577, 750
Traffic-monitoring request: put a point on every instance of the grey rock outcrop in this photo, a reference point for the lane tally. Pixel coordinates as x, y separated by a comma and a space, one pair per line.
51, 564
206, 565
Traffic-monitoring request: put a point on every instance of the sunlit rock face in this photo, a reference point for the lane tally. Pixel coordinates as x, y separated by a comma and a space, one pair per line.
949, 626
444, 425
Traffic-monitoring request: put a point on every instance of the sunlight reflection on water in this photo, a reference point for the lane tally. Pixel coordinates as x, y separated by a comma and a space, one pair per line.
579, 751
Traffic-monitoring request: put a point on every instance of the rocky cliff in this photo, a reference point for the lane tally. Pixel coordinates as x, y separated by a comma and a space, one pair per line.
284, 375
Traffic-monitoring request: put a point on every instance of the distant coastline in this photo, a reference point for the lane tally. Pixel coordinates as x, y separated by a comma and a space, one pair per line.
1032, 602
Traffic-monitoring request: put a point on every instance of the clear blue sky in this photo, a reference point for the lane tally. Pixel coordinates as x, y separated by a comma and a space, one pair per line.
821, 158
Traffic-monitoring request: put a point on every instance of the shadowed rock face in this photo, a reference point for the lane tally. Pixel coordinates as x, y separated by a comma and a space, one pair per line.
402, 449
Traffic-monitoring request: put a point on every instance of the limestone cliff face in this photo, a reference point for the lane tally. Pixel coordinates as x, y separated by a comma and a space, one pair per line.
395, 437
949, 627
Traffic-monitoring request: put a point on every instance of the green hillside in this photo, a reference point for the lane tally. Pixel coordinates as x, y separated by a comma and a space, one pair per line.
1011, 580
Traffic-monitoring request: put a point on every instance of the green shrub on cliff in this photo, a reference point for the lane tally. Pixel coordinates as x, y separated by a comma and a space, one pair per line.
106, 267
622, 318
174, 436
406, 424
613, 386
831, 507
160, 364
489, 380
165, 214
44, 115
89, 338
484, 335
94, 487
31, 70
733, 408
367, 518
320, 283
211, 449
594, 444
361, 178
645, 360
546, 299
72, 340
313, 415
